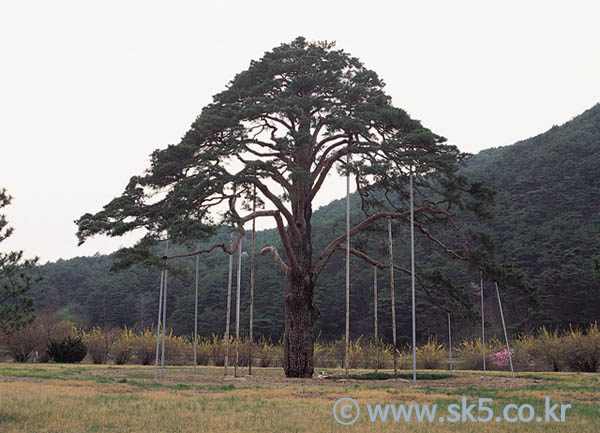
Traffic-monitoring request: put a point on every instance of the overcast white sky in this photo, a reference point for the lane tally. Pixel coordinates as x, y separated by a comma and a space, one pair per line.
89, 89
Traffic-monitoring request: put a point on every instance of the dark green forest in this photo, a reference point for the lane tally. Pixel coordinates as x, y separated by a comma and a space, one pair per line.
546, 223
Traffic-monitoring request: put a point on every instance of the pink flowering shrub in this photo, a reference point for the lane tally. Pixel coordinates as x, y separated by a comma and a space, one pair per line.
500, 359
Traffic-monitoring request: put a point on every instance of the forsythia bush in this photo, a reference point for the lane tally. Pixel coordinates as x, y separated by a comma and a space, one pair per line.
178, 350
144, 346
543, 350
217, 349
583, 349
361, 354
575, 350
432, 355
123, 348
99, 343
469, 353
204, 351
267, 354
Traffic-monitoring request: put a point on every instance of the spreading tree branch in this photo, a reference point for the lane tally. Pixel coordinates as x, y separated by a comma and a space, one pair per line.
380, 265
276, 258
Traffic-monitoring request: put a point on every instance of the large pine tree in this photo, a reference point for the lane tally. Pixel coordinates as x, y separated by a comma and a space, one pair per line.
282, 126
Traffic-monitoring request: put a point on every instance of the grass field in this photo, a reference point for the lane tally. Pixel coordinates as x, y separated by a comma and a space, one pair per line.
61, 398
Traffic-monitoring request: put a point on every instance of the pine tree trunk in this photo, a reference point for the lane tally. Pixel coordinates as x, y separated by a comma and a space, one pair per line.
300, 316
300, 309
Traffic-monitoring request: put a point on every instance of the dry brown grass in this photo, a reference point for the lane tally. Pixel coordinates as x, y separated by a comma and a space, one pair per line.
58, 398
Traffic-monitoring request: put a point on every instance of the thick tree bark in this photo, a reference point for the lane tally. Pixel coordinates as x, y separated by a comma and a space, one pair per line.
300, 316
300, 309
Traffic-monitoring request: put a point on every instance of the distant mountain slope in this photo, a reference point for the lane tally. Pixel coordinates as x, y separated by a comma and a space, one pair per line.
547, 223
547, 217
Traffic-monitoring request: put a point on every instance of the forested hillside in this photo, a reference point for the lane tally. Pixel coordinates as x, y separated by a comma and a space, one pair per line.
547, 217
547, 223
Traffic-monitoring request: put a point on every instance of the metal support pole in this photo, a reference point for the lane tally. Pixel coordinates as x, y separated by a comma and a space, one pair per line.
450, 341
393, 295
482, 322
347, 353
252, 253
375, 336
164, 321
237, 308
196, 319
512, 371
228, 319
158, 323
412, 278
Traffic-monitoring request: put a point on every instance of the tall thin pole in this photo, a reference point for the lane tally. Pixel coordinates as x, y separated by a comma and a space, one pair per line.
347, 353
482, 322
252, 252
237, 308
450, 341
196, 319
393, 295
164, 311
512, 371
143, 302
228, 319
158, 323
412, 280
375, 336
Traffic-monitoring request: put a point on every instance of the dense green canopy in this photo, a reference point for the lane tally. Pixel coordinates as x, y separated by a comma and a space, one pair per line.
281, 126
